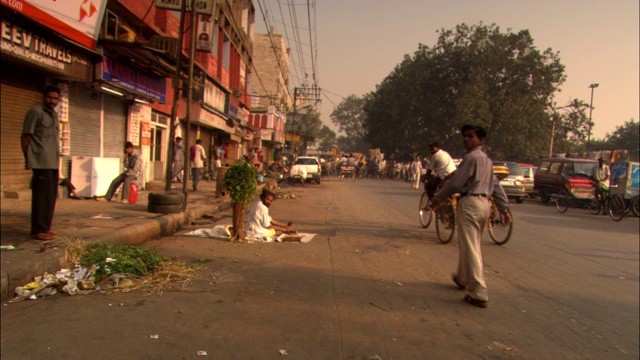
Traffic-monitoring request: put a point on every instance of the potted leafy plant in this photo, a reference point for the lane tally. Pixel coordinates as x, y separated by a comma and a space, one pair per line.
240, 182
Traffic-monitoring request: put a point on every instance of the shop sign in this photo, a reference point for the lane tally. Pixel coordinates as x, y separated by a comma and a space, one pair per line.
212, 120
204, 33
234, 104
278, 136
149, 85
146, 133
78, 20
202, 6
138, 114
247, 134
266, 134
41, 51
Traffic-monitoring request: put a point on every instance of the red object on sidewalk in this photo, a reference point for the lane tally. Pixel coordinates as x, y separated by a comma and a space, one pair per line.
133, 193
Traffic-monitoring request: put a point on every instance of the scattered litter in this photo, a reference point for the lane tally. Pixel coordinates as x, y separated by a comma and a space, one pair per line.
154, 336
100, 216
622, 278
202, 353
7, 247
375, 357
398, 283
283, 352
218, 231
286, 195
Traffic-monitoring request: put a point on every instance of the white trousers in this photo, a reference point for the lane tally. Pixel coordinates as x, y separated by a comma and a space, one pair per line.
473, 213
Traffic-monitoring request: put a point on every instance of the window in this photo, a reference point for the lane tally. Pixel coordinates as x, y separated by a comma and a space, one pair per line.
555, 168
544, 166
114, 29
160, 119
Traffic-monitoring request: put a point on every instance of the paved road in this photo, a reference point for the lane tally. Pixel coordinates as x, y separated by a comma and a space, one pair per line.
371, 285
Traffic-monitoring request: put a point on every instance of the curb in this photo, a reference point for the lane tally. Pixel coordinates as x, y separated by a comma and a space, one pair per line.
137, 234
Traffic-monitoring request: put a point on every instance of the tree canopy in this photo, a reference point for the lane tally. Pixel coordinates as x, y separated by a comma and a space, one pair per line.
349, 116
472, 75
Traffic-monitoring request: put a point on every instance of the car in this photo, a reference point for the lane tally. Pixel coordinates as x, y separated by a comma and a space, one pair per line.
556, 174
529, 172
513, 184
311, 165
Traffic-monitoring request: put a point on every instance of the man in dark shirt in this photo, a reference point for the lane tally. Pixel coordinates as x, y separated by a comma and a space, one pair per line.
40, 147
475, 181
132, 169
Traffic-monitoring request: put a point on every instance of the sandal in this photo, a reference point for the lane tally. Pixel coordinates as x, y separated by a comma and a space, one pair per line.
51, 232
43, 237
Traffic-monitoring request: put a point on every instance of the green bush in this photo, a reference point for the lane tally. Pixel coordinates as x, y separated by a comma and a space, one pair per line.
129, 259
240, 181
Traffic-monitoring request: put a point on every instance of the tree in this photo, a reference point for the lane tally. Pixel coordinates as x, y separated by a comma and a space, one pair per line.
625, 137
326, 139
479, 75
240, 182
350, 117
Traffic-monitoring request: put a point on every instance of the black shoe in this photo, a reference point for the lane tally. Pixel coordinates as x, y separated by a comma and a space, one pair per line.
475, 302
454, 277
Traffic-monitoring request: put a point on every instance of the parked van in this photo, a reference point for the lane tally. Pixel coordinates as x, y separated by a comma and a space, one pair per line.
555, 174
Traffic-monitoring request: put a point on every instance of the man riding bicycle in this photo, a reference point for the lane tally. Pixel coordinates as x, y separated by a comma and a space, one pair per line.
440, 166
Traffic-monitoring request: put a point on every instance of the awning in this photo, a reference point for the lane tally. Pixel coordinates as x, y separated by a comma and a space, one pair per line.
160, 62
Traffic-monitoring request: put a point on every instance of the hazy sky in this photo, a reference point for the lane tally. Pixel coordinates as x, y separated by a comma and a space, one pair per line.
359, 42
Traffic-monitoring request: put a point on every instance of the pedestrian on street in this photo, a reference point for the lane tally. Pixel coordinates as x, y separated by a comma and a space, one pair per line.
178, 159
475, 181
132, 169
197, 163
416, 172
40, 147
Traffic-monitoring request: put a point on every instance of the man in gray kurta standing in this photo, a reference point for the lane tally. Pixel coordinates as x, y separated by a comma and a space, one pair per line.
178, 159
41, 149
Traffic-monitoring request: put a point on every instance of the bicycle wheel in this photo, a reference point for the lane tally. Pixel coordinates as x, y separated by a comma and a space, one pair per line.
445, 221
500, 233
425, 212
617, 207
635, 203
562, 201
593, 203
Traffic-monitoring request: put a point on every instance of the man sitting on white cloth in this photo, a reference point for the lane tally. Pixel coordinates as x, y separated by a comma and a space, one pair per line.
261, 221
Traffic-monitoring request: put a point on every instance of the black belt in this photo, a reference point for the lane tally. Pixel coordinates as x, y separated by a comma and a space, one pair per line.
470, 194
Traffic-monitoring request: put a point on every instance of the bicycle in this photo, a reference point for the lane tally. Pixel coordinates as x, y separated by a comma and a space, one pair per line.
446, 221
612, 203
424, 210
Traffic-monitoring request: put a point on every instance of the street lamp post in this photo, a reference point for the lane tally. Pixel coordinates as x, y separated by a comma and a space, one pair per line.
592, 86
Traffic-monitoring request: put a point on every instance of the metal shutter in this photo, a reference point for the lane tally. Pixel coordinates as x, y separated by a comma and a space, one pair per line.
19, 91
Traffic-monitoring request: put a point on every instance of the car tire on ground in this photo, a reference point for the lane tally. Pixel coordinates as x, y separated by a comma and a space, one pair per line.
164, 209
520, 200
166, 198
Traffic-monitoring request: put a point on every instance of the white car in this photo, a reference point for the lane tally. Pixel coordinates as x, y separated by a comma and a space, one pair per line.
312, 166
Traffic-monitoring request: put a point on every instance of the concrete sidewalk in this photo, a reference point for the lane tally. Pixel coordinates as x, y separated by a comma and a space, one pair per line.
109, 222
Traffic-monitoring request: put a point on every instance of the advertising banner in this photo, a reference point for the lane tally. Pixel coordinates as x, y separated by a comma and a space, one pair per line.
78, 20
204, 33
41, 51
149, 85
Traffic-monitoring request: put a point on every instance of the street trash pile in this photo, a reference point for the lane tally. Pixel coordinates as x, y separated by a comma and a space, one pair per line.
286, 195
224, 232
108, 268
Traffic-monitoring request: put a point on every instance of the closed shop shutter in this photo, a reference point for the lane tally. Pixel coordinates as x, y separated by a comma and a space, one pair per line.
19, 91
115, 124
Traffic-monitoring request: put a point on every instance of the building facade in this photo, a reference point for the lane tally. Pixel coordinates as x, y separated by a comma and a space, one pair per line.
116, 67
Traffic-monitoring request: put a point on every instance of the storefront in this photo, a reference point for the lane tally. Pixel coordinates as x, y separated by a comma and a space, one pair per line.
32, 57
